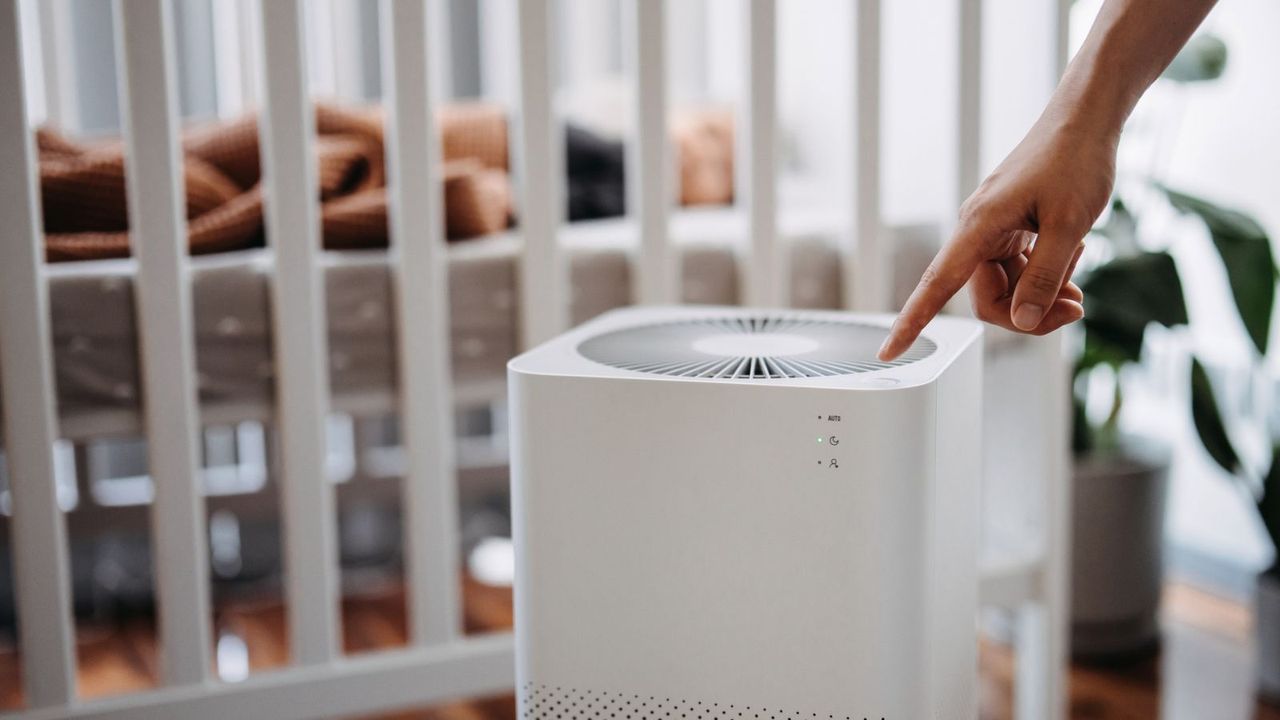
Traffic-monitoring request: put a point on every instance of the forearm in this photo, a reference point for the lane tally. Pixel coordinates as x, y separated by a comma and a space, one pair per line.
1021, 232
1129, 45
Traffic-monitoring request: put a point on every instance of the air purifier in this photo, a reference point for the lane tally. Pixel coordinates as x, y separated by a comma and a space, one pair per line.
737, 514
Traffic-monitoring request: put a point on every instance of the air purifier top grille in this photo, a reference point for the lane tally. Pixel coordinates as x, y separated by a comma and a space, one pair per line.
749, 347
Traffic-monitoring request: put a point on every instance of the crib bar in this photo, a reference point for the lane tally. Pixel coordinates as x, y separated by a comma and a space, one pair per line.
1040, 689
302, 387
544, 275
421, 291
649, 159
968, 138
767, 265
963, 162
61, 104
378, 683
149, 115
39, 552
868, 272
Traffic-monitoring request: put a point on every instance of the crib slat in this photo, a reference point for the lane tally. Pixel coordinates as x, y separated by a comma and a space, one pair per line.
868, 271
421, 291
60, 100
1042, 661
302, 374
42, 583
544, 276
963, 162
968, 137
149, 113
649, 153
767, 266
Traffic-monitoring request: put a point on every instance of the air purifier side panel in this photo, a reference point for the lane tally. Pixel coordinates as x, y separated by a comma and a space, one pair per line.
953, 566
694, 543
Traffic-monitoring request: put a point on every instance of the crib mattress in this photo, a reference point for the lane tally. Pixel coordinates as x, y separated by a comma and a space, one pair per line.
95, 332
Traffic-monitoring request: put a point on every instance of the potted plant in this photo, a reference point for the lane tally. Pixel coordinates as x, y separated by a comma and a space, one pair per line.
1120, 481
1251, 271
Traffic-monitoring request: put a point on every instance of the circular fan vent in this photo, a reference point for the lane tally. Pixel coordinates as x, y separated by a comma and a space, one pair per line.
761, 347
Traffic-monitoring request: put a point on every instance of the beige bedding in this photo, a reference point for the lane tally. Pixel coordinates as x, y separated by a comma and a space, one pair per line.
95, 335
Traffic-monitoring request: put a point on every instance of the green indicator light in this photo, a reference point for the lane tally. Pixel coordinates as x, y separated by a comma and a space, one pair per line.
819, 441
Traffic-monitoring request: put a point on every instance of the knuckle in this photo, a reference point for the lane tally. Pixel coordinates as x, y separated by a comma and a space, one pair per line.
1073, 218
1039, 280
973, 214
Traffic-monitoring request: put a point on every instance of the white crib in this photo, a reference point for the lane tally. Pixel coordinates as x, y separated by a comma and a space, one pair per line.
441, 664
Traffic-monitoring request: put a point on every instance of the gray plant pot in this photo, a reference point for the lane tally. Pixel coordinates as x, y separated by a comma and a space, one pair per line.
1267, 621
1117, 558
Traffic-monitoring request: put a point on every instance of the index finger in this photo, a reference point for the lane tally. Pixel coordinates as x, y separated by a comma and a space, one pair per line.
949, 271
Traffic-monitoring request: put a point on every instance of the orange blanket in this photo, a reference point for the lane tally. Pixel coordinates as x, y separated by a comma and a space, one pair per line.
83, 187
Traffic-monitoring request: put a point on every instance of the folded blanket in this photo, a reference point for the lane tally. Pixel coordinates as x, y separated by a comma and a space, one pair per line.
83, 187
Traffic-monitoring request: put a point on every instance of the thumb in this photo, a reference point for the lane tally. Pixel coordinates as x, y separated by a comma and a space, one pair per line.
1046, 271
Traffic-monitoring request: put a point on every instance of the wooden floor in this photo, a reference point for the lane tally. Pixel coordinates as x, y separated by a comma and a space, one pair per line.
1203, 672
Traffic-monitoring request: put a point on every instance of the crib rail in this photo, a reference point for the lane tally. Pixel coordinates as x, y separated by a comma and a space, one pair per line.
263, 59
302, 388
40, 562
421, 284
157, 222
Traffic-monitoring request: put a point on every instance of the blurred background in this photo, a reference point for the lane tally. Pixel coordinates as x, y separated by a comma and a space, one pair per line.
1176, 488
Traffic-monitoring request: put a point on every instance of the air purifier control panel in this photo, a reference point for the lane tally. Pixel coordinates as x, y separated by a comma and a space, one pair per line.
828, 441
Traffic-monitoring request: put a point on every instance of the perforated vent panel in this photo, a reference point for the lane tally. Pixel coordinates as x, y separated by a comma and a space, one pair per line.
542, 702
763, 347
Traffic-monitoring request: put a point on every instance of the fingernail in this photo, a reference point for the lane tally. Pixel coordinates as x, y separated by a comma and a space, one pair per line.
1027, 316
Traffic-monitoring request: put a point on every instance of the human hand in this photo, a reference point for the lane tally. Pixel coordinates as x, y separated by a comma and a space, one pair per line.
1020, 234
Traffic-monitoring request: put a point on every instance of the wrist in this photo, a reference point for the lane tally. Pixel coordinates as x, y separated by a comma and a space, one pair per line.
1092, 100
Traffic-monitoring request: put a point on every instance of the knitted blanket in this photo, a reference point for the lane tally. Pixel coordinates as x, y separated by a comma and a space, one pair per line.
83, 187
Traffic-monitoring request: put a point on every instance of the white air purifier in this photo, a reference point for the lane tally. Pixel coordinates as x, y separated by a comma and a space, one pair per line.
737, 514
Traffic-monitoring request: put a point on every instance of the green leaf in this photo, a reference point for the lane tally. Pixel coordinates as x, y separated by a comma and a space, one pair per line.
1122, 297
1081, 432
1246, 254
1203, 58
1208, 420
1269, 504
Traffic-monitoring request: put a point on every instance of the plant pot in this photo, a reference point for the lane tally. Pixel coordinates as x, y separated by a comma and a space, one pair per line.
1117, 559
1267, 623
